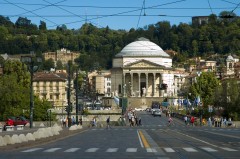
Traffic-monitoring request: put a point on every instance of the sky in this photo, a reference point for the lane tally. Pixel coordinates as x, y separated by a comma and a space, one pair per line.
116, 14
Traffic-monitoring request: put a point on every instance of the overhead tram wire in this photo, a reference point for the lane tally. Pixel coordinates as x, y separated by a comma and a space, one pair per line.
135, 10
69, 12
139, 17
210, 7
99, 7
45, 6
30, 12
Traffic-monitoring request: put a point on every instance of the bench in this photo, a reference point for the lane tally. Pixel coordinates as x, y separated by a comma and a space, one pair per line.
20, 127
9, 128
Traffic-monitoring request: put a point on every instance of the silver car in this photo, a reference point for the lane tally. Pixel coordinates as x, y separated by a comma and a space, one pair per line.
157, 113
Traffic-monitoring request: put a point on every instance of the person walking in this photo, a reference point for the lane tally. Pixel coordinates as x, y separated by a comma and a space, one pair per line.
108, 122
170, 121
185, 119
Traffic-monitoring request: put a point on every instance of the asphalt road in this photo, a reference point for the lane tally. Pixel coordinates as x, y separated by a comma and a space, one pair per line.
153, 140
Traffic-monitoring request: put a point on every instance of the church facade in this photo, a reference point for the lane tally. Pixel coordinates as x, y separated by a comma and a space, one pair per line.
142, 70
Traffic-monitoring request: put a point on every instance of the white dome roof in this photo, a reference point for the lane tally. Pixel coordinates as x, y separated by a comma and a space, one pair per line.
230, 58
142, 47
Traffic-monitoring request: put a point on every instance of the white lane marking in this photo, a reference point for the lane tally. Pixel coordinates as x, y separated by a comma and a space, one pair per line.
189, 149
32, 150
72, 150
208, 149
92, 150
131, 150
151, 150
112, 150
228, 149
140, 140
169, 149
52, 150
197, 139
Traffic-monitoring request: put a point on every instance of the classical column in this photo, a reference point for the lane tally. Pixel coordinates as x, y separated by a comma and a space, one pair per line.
153, 84
139, 84
131, 87
123, 86
146, 84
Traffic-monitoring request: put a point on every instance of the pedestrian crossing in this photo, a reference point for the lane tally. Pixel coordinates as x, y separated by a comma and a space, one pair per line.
131, 150
163, 128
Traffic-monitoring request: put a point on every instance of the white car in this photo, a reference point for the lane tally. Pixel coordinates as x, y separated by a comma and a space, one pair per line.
139, 109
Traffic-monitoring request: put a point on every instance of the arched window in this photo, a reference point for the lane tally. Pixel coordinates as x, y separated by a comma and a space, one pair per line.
119, 89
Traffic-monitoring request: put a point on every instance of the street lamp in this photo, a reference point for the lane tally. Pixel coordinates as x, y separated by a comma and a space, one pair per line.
30, 61
200, 104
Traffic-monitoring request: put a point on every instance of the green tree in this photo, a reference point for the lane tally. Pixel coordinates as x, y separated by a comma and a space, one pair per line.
227, 97
48, 64
204, 87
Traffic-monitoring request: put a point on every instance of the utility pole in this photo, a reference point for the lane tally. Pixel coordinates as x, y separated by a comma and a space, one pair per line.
77, 97
69, 94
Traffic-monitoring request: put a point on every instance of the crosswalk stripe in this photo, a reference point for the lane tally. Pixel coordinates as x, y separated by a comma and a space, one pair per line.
52, 150
131, 150
72, 150
208, 149
189, 149
92, 150
112, 150
151, 150
32, 150
169, 149
228, 149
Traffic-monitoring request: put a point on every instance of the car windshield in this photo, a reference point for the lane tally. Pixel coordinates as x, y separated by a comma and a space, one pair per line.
23, 118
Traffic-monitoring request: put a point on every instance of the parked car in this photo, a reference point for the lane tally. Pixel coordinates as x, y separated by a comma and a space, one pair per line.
157, 113
20, 120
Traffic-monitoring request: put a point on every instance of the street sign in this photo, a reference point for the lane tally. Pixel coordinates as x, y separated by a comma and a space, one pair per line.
210, 109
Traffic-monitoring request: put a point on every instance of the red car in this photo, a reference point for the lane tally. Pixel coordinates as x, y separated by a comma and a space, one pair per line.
20, 120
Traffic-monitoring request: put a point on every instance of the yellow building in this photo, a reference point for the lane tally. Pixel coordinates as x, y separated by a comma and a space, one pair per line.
52, 86
62, 55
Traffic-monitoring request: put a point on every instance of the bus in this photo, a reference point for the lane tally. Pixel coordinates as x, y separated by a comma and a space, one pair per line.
155, 106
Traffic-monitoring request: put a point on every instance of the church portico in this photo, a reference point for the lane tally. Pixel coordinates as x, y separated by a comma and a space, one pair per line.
139, 84
140, 70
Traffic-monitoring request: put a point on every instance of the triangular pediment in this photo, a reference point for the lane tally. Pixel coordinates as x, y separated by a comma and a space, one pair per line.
144, 64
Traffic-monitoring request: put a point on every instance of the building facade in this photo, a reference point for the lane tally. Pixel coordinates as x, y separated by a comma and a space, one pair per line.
52, 86
143, 70
62, 55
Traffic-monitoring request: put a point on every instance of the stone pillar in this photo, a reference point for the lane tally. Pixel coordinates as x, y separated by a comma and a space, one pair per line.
131, 86
153, 85
124, 85
139, 84
147, 94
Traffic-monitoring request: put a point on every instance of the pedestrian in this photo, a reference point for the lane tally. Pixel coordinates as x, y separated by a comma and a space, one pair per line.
209, 122
185, 120
80, 121
170, 121
108, 122
192, 120
73, 121
140, 121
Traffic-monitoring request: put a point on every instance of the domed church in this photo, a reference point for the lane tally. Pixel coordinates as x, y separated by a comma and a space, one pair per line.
142, 70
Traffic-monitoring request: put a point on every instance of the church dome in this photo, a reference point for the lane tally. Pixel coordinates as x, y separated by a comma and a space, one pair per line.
230, 58
142, 47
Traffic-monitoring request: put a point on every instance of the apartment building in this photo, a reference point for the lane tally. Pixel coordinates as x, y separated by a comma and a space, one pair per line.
62, 55
52, 86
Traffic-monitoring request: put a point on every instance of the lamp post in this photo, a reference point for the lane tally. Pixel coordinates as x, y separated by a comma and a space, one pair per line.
77, 109
30, 61
200, 104
69, 94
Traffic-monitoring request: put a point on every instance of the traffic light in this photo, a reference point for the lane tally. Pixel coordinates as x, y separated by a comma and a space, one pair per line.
163, 86
66, 108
